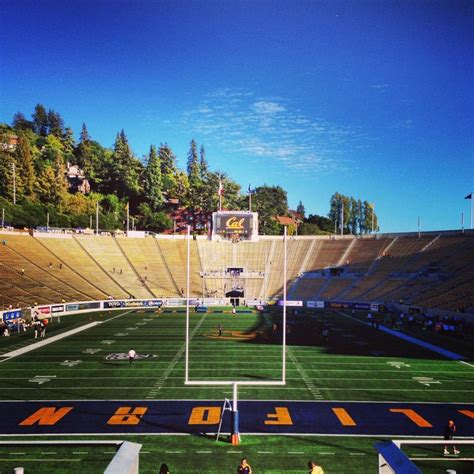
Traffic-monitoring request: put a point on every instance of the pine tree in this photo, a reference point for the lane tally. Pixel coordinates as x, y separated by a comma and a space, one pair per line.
55, 124
21, 123
203, 166
26, 170
193, 163
40, 120
6, 175
301, 210
126, 168
44, 184
153, 182
83, 152
60, 185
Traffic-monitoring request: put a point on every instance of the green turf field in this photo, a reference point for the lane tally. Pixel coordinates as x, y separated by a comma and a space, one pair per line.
356, 363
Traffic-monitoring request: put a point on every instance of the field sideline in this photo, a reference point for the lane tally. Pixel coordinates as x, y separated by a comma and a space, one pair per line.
356, 364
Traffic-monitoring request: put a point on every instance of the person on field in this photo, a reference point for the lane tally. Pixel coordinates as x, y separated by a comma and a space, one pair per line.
449, 433
131, 356
219, 329
164, 469
244, 467
314, 468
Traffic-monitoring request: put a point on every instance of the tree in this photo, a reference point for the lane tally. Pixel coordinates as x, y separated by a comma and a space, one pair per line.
369, 217
24, 159
193, 163
40, 120
203, 166
270, 201
152, 180
126, 168
301, 210
60, 185
44, 184
6, 175
83, 152
55, 124
21, 123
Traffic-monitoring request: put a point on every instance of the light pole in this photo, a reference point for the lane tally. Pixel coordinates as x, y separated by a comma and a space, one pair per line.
14, 182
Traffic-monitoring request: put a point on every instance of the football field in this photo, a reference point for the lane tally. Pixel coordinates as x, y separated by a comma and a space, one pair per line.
341, 394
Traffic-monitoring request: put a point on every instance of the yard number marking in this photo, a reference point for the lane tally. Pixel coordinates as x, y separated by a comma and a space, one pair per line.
91, 351
397, 364
71, 363
107, 341
427, 381
41, 379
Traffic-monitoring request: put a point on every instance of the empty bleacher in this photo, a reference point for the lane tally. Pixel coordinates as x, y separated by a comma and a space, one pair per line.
433, 270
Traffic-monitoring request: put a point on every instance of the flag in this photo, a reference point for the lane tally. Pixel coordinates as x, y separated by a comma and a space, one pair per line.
250, 190
220, 191
469, 196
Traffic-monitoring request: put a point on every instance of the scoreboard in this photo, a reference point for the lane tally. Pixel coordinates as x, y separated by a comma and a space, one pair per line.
234, 224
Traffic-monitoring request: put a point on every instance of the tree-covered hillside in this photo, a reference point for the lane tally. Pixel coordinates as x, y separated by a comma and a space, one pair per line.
47, 177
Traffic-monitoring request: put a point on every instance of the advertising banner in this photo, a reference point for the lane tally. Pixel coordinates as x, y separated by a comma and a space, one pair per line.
9, 315
57, 308
291, 303
82, 306
315, 304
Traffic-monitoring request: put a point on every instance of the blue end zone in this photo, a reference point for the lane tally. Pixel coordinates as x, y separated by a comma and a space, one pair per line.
261, 417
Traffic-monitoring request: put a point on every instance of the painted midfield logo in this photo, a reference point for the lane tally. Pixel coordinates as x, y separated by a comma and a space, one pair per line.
124, 356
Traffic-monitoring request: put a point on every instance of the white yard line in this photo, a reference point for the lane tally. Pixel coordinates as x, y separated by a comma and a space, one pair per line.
315, 392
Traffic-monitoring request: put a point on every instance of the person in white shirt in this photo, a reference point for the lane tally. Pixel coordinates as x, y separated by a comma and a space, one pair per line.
131, 356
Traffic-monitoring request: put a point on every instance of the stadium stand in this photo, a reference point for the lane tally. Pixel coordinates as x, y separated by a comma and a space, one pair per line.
149, 265
109, 257
433, 270
75, 257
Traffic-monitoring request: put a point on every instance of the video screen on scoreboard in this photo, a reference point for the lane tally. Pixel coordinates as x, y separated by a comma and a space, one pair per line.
229, 224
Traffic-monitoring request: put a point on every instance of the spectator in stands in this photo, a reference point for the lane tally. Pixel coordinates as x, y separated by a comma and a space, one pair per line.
449, 432
22, 271
244, 467
314, 468
50, 265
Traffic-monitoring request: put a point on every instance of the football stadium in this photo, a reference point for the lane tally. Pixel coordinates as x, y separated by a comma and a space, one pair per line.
237, 236
354, 351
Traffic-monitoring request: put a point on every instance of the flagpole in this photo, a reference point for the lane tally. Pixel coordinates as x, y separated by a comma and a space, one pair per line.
472, 205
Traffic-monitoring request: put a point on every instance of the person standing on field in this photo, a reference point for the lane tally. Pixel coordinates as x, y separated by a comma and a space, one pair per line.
131, 356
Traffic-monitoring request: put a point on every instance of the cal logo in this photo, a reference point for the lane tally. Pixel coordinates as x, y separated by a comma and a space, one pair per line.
124, 356
234, 223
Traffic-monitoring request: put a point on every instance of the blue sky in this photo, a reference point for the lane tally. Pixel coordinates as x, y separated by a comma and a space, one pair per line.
368, 98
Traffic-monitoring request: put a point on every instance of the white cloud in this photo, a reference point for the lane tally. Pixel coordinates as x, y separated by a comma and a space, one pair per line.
265, 129
267, 107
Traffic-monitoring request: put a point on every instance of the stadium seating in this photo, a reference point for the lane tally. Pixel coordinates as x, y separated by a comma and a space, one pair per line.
434, 269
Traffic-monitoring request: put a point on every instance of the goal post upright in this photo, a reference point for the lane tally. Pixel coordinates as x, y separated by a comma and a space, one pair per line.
283, 365
188, 252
